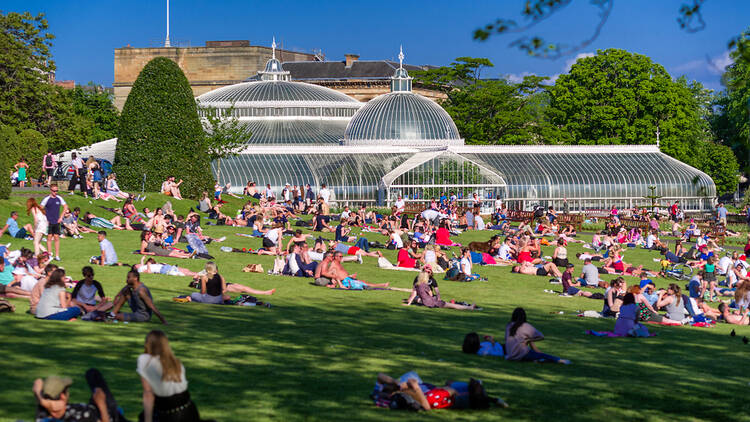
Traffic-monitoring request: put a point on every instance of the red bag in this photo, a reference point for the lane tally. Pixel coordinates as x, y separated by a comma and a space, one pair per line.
439, 398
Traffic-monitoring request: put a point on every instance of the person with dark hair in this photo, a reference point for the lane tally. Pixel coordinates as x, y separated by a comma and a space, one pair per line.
473, 346
108, 255
521, 338
85, 293
736, 317
52, 397
628, 316
79, 175
139, 299
55, 301
53, 206
11, 226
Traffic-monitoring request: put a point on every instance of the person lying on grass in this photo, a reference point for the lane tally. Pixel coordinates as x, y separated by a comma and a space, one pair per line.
733, 317
340, 278
353, 250
151, 245
52, 397
521, 338
102, 223
409, 392
545, 270
87, 291
139, 298
153, 267
489, 347
423, 291
213, 287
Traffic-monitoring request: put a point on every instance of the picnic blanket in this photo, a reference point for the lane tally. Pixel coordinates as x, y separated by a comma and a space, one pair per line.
385, 264
609, 334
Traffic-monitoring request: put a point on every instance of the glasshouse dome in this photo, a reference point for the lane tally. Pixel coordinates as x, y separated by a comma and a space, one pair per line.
402, 117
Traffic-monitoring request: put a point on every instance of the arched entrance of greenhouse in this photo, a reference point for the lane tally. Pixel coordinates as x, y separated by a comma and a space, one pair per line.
431, 174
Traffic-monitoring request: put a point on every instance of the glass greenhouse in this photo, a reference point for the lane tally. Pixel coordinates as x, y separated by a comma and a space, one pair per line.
402, 143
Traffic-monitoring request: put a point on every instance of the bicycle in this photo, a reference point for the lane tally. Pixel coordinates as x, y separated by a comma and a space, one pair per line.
679, 271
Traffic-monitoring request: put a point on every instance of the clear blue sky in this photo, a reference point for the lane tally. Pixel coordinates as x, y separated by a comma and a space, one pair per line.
432, 32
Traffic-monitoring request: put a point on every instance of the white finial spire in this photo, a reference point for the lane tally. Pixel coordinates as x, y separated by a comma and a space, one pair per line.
273, 48
401, 57
166, 41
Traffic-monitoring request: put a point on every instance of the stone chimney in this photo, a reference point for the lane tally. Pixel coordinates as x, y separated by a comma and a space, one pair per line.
350, 59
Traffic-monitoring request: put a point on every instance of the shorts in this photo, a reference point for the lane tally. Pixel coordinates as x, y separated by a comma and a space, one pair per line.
573, 290
169, 270
541, 272
53, 229
353, 284
50, 172
709, 276
322, 281
268, 243
439, 398
21, 234
2, 289
352, 251
136, 317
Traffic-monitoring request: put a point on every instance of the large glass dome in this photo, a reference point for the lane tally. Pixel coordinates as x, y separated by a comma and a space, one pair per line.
272, 91
403, 118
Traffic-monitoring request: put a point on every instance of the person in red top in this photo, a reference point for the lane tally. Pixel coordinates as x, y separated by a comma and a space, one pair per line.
674, 210
443, 236
404, 260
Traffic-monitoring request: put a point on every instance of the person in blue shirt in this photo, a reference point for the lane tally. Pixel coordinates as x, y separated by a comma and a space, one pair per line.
11, 226
721, 214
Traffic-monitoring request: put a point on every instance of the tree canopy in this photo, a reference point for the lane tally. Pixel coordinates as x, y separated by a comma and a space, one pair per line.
492, 111
160, 133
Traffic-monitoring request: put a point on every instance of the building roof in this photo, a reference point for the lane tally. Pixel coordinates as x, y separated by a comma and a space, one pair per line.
272, 91
295, 132
360, 69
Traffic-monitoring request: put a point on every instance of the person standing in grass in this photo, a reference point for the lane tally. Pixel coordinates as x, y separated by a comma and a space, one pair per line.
139, 299
22, 167
53, 206
48, 165
521, 338
165, 389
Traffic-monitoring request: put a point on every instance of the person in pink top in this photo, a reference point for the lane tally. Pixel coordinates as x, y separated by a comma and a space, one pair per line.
49, 163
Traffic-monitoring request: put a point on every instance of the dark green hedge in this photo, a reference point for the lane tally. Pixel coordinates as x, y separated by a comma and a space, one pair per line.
4, 166
28, 144
160, 133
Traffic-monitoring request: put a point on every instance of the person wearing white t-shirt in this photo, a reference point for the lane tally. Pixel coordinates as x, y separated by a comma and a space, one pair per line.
466, 266
504, 252
269, 192
498, 204
400, 204
79, 175
324, 193
165, 387
478, 222
724, 265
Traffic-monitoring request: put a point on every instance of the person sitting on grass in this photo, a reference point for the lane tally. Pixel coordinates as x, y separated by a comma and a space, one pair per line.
12, 228
171, 188
85, 293
98, 193
627, 318
547, 269
733, 317
7, 289
55, 303
431, 282
150, 245
213, 287
466, 273
489, 347
423, 291
343, 280
165, 389
52, 395
138, 297
152, 267
521, 338
573, 288
108, 255
70, 224
36, 292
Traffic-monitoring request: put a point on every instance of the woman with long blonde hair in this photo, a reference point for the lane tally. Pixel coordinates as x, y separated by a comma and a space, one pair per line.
40, 224
165, 393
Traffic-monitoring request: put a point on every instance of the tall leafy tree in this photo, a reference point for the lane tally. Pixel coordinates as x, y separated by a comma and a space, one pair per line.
224, 135
94, 104
492, 111
618, 97
27, 98
160, 133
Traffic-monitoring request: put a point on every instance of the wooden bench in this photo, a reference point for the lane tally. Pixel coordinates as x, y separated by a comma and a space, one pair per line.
718, 233
631, 223
518, 215
576, 220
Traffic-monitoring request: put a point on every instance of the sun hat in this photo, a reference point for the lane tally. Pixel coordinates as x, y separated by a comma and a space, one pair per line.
19, 271
53, 386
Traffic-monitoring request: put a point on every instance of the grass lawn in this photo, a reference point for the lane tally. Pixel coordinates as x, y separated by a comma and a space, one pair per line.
314, 355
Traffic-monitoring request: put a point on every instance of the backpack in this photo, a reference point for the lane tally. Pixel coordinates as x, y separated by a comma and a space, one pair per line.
454, 271
48, 160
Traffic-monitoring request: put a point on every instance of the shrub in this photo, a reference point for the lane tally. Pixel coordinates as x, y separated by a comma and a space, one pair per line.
5, 176
32, 146
160, 133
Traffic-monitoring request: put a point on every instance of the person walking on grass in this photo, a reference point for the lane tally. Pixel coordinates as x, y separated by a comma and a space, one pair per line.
139, 298
53, 205
48, 165
79, 175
